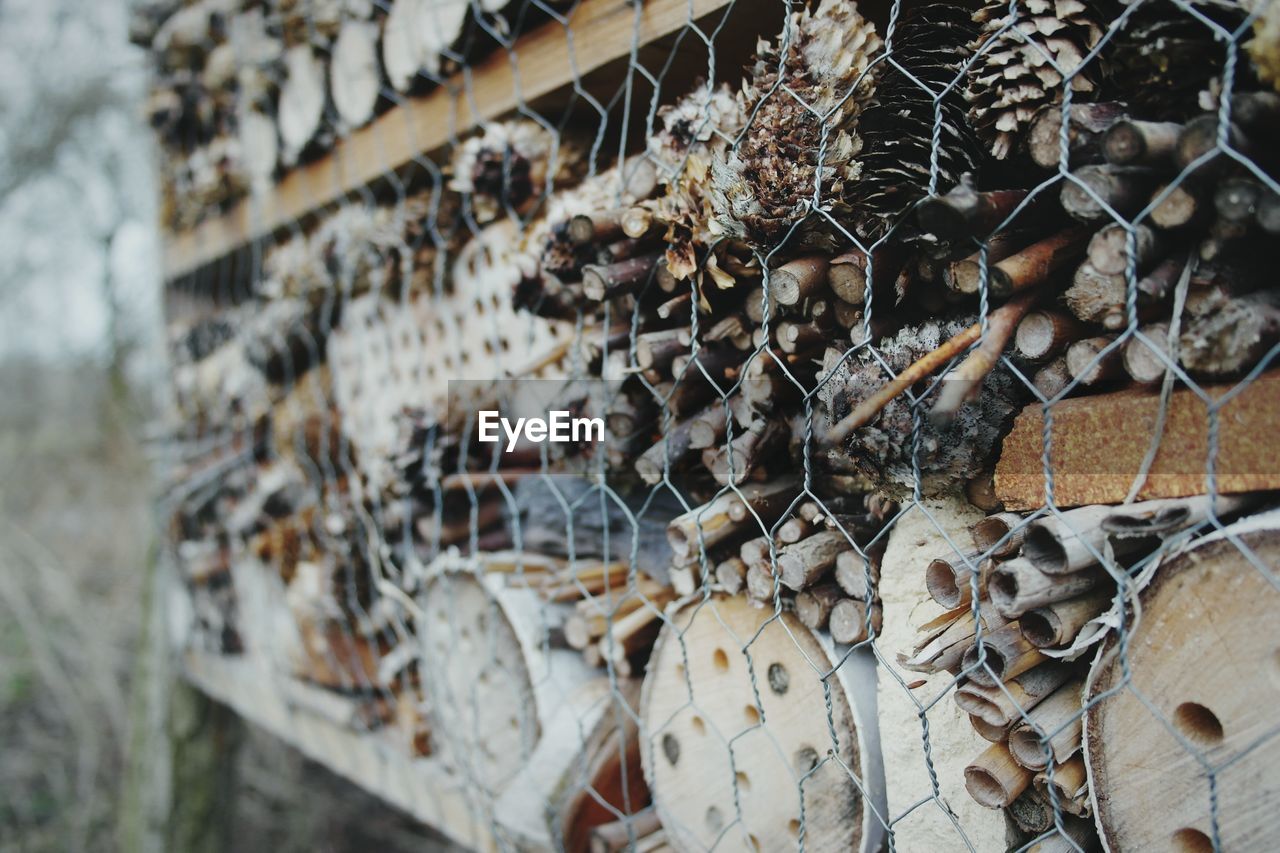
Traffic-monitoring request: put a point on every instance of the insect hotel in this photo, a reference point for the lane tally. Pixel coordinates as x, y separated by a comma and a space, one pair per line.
925, 354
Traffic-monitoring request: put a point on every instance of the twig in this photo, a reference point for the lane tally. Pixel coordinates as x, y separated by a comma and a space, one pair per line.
924, 366
964, 381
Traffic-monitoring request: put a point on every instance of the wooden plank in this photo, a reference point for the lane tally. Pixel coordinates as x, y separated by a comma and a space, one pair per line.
421, 787
1087, 470
547, 59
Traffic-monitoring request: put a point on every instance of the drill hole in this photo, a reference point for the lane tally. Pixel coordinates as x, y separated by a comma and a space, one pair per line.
1188, 840
752, 715
698, 725
715, 820
779, 678
721, 660
794, 827
744, 782
1198, 724
806, 759
671, 748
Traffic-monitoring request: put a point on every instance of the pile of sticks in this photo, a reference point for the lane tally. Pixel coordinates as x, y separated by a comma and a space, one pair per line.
823, 565
1013, 609
247, 89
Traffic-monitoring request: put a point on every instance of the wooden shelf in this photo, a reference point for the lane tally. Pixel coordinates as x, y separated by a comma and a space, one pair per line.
551, 57
306, 718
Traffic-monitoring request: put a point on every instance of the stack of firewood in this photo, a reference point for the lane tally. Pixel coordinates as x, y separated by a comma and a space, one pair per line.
1018, 617
245, 89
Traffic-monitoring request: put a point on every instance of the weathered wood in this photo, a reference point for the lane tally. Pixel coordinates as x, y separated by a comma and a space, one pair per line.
731, 574
1123, 189
1084, 133
848, 621
852, 573
712, 524
1130, 142
801, 564
1089, 472
798, 280
1194, 659
966, 213
814, 605
1045, 334
694, 796
1090, 361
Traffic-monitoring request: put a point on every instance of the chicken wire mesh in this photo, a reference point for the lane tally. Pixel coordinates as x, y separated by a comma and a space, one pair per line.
929, 346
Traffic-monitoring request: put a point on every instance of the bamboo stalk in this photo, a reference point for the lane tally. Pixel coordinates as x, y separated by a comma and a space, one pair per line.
1059, 717
1000, 535
1003, 705
1017, 586
1007, 654
1057, 624
994, 779
948, 580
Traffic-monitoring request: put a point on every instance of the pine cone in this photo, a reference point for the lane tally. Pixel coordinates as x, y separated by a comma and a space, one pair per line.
1164, 58
948, 455
509, 165
765, 184
930, 45
1014, 78
695, 130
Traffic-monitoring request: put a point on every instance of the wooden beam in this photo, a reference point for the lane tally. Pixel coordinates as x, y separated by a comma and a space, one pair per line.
551, 57
1089, 471
423, 787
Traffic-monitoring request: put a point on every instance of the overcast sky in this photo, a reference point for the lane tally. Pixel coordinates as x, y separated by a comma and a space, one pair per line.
77, 199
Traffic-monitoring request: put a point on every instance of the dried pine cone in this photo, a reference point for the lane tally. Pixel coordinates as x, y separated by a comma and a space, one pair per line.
948, 455
509, 165
1013, 77
695, 130
930, 44
766, 183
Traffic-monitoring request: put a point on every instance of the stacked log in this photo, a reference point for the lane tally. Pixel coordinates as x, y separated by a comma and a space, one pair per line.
1017, 617
245, 91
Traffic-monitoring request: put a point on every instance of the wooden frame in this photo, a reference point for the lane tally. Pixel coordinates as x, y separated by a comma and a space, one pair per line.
554, 56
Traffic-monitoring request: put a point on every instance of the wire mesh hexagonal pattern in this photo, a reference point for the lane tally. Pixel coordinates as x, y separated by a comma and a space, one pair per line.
922, 355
